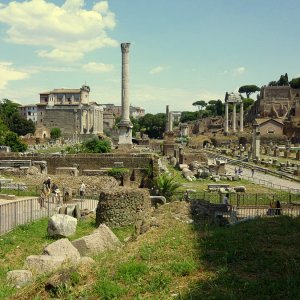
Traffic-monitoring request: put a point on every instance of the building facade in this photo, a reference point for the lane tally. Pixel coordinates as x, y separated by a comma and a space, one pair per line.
71, 111
29, 112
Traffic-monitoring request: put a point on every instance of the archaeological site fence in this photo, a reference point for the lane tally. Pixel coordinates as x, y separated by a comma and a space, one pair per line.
25, 211
251, 205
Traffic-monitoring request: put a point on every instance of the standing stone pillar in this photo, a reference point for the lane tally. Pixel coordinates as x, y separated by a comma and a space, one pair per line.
170, 121
94, 121
234, 118
167, 118
242, 117
125, 126
87, 122
81, 122
256, 142
226, 118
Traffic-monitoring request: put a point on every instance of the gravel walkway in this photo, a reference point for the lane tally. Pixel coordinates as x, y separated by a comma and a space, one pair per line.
268, 180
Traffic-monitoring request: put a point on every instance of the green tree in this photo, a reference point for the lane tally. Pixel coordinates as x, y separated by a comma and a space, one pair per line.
187, 116
7, 109
153, 125
166, 185
249, 89
247, 102
55, 133
200, 104
94, 145
295, 83
20, 125
273, 83
135, 126
13, 141
9, 113
283, 80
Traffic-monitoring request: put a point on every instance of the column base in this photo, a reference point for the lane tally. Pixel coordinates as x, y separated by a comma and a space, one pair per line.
125, 135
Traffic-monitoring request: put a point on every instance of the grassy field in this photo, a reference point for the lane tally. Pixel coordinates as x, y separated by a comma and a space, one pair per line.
25, 240
258, 259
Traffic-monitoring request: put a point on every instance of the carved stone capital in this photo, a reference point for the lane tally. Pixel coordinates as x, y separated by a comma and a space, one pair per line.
125, 47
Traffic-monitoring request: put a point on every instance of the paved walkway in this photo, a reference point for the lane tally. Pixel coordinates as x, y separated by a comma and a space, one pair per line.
267, 179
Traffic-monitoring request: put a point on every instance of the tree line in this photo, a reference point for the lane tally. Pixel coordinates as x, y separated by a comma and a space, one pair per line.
13, 125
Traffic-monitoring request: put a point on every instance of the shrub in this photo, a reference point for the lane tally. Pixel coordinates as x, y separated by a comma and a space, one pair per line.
166, 185
94, 145
117, 173
55, 133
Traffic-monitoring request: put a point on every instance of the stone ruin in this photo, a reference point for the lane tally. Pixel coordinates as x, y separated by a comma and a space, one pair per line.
123, 207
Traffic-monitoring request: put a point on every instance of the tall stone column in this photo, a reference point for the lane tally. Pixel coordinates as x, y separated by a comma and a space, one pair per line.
81, 122
256, 142
170, 121
87, 121
242, 117
167, 118
94, 121
125, 126
226, 118
234, 118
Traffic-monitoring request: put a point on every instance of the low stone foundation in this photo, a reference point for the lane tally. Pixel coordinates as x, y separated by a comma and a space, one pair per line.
123, 207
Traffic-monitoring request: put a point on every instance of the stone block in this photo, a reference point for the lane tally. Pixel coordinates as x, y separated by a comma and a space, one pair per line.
18, 278
40, 264
102, 239
61, 225
64, 248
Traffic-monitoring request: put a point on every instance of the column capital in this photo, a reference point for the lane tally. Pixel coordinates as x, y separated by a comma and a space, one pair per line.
125, 47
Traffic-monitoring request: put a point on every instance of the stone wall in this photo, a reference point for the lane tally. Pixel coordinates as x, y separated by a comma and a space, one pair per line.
88, 161
123, 207
188, 157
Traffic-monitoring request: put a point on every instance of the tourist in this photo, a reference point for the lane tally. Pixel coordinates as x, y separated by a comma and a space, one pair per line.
226, 199
82, 190
48, 183
278, 208
55, 193
252, 172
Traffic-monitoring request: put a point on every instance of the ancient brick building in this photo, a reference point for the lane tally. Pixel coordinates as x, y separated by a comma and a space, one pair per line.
71, 111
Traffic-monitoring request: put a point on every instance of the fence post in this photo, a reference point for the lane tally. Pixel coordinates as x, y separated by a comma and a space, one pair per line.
31, 210
15, 214
48, 206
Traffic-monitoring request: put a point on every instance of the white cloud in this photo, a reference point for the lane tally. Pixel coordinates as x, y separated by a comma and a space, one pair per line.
64, 32
8, 73
157, 70
93, 67
239, 71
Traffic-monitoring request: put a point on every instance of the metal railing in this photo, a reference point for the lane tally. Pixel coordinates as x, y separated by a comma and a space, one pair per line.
260, 169
25, 211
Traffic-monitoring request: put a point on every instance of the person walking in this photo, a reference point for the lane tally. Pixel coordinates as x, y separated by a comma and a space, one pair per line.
82, 190
252, 172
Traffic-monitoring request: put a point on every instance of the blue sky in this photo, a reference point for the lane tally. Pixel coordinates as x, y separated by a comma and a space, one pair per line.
181, 51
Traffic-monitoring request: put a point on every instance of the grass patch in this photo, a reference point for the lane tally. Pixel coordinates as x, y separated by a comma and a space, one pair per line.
253, 260
258, 259
25, 240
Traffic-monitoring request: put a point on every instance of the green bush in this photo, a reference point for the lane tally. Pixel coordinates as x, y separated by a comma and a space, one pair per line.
166, 185
117, 173
55, 133
94, 145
